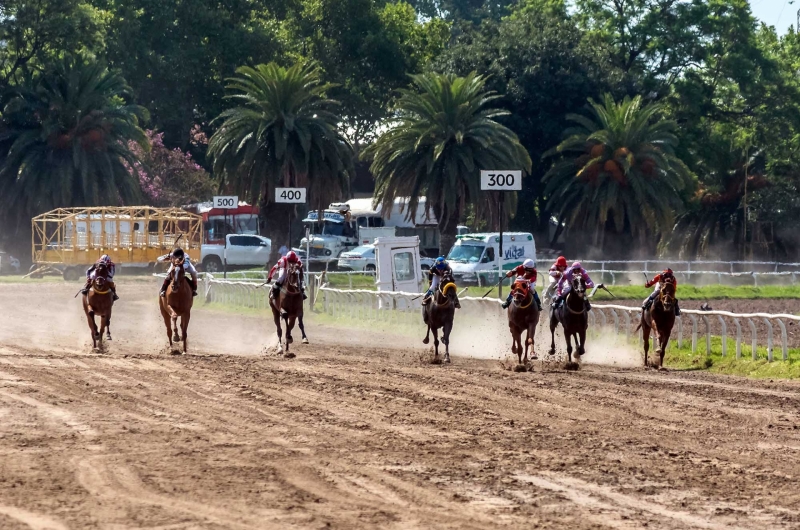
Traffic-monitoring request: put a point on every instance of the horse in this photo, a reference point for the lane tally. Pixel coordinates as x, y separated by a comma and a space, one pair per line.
573, 317
439, 312
660, 318
177, 303
523, 315
289, 307
99, 301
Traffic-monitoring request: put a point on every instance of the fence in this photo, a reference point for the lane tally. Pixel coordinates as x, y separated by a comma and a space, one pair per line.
389, 306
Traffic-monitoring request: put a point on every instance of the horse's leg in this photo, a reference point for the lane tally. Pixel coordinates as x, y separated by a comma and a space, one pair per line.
448, 327
302, 328
108, 325
277, 317
553, 326
185, 330
174, 318
581, 342
568, 337
646, 339
92, 326
529, 341
167, 322
663, 342
290, 322
435, 341
102, 330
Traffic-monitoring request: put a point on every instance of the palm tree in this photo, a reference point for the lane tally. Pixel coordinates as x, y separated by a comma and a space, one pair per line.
282, 134
444, 134
618, 171
65, 140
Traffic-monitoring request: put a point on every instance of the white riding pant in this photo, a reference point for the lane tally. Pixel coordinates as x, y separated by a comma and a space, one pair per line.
435, 282
187, 266
551, 288
656, 290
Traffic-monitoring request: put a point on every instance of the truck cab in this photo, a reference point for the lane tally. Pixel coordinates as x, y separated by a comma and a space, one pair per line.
340, 229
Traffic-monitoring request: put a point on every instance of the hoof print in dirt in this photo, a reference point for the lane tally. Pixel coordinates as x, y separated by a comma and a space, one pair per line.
521, 368
572, 366
175, 351
289, 355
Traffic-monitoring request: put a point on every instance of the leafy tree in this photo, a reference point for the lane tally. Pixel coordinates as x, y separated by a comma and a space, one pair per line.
169, 177
283, 133
546, 69
67, 138
617, 171
445, 132
32, 32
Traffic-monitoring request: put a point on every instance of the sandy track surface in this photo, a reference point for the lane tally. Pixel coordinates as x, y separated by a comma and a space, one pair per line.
350, 435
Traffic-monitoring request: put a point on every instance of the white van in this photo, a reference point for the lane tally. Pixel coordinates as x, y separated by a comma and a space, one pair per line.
474, 257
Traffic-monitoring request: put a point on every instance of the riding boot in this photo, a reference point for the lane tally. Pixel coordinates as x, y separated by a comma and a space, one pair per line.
86, 287
194, 287
587, 304
677, 309
458, 304
647, 303
114, 293
164, 287
508, 301
538, 302
303, 290
276, 290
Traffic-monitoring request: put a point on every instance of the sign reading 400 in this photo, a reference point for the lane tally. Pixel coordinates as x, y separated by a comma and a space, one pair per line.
501, 180
290, 195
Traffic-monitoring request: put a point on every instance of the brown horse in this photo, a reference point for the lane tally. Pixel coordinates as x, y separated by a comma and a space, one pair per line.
177, 303
99, 302
289, 307
440, 312
660, 318
573, 317
523, 315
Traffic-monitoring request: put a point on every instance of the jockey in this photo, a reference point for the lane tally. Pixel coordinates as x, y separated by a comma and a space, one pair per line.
556, 272
110, 269
178, 253
525, 273
283, 268
565, 283
659, 280
439, 270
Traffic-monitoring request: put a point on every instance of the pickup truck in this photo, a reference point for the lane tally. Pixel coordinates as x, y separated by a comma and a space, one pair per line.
244, 251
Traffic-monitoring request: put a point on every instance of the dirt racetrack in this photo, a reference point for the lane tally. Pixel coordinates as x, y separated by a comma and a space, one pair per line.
357, 432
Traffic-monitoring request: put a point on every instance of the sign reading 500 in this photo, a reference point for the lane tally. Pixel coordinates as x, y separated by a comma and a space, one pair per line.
501, 180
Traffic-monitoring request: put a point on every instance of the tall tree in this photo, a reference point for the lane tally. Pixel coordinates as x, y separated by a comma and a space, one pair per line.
445, 133
617, 171
282, 133
67, 138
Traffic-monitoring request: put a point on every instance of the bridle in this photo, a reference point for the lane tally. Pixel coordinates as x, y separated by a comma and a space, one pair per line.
524, 289
178, 273
445, 286
666, 299
100, 279
579, 290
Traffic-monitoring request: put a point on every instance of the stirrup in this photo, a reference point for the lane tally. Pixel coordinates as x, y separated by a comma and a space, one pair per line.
163, 293
115, 297
194, 293
505, 304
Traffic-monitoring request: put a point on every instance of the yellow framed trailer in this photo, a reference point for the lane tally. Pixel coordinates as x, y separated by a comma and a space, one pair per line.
67, 240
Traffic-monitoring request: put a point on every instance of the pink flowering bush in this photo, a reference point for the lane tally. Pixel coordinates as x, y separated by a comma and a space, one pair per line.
169, 177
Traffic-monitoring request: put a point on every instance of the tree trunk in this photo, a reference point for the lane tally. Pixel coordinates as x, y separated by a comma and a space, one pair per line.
448, 228
277, 218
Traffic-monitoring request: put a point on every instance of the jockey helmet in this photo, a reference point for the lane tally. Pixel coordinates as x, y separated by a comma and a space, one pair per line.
440, 263
104, 258
529, 264
177, 253
291, 257
667, 272
561, 262
577, 265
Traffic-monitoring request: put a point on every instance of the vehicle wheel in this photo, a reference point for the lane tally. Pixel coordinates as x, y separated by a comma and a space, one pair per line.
35, 276
370, 268
212, 264
71, 274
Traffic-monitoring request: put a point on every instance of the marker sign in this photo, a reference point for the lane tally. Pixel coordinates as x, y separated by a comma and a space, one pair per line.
226, 202
290, 195
501, 180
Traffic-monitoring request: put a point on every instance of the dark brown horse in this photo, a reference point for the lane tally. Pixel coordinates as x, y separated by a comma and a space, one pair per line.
99, 302
573, 317
523, 316
289, 307
438, 313
177, 303
660, 318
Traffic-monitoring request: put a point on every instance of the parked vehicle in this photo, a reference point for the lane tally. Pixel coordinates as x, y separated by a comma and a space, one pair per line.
359, 259
474, 257
243, 251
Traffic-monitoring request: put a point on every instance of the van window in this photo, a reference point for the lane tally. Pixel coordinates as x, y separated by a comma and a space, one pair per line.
488, 256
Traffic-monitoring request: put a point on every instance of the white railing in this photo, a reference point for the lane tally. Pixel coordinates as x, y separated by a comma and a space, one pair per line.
687, 275
654, 265
390, 306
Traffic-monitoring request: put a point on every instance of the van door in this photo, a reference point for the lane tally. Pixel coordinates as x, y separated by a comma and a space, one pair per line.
405, 270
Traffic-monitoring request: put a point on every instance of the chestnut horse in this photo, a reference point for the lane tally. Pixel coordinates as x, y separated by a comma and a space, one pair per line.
98, 302
440, 312
523, 316
177, 303
289, 307
573, 317
659, 318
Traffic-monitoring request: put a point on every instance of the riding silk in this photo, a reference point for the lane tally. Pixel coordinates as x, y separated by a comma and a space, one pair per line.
565, 283
282, 266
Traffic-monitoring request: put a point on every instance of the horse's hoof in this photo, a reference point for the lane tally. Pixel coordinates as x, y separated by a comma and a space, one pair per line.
426, 340
108, 337
447, 359
289, 340
552, 351
305, 341
520, 368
